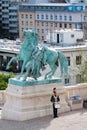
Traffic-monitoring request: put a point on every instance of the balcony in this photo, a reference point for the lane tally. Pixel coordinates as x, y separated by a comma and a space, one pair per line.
5, 21
13, 8
13, 13
5, 16
5, 10
5, 27
13, 25
13, 31
5, 5
13, 19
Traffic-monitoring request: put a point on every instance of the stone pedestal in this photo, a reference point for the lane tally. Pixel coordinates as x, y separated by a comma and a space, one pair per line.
27, 100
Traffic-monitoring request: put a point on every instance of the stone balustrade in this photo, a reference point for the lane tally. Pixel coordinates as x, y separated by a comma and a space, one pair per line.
2, 97
78, 89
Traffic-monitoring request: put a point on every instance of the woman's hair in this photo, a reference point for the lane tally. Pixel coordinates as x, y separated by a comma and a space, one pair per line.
54, 88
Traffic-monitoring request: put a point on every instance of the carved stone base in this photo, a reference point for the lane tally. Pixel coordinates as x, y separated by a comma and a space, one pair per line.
28, 102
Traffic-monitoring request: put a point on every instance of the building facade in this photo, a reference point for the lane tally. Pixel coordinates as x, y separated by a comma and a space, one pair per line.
47, 17
9, 19
9, 26
77, 63
9, 23
65, 36
76, 56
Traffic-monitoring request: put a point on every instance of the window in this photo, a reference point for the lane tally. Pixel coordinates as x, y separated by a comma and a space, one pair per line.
42, 30
46, 16
38, 30
72, 35
85, 7
70, 25
60, 17
26, 23
22, 15
42, 7
65, 25
31, 23
38, 23
37, 16
51, 24
26, 16
78, 78
42, 16
46, 31
51, 17
46, 24
68, 58
67, 81
42, 37
42, 23
60, 25
82, 1
51, 7
22, 29
22, 22
55, 17
78, 60
55, 24
30, 16
46, 7
79, 25
70, 18
65, 18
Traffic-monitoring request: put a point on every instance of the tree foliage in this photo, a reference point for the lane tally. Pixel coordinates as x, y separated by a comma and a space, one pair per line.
4, 80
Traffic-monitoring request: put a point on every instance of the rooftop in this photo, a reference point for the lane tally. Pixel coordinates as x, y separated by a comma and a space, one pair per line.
10, 45
14, 46
47, 4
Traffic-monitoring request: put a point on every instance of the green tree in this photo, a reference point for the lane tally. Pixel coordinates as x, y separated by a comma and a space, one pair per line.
4, 80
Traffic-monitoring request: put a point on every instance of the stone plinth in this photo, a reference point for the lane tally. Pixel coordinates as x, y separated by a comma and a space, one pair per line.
27, 100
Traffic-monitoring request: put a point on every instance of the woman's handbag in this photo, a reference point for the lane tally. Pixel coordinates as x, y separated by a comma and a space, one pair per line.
57, 105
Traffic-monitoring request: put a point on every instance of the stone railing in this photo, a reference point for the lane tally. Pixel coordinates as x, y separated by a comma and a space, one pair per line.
2, 97
79, 89
76, 96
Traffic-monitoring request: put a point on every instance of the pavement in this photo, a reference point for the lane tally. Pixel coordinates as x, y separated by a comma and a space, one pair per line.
73, 120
